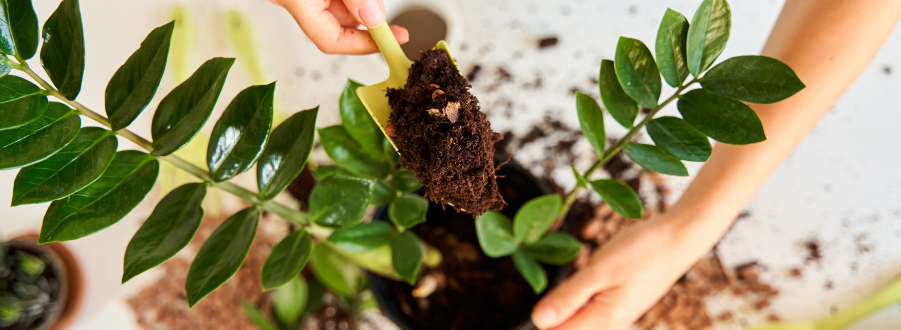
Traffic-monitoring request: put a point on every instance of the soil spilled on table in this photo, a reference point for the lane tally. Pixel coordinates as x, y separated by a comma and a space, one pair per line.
443, 137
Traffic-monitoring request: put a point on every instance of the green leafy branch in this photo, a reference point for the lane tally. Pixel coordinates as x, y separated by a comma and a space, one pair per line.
632, 81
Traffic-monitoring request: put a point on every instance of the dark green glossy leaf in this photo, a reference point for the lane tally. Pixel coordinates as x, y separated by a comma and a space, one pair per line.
755, 79
622, 107
637, 72
406, 256
535, 217
555, 248
187, 107
619, 196
62, 54
382, 193
654, 159
135, 82
286, 153
69, 170
591, 120
18, 28
39, 139
408, 210
495, 233
364, 236
670, 48
287, 259
349, 154
257, 317
241, 133
324, 171
678, 138
221, 255
169, 229
340, 201
390, 153
358, 123
580, 180
124, 184
531, 271
289, 300
336, 271
707, 35
4, 70
720, 117
21, 102
405, 181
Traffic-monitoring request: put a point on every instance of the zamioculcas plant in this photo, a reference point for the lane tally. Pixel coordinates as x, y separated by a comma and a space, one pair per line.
92, 185
631, 81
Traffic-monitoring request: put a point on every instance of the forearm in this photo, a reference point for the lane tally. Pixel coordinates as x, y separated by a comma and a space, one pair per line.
828, 43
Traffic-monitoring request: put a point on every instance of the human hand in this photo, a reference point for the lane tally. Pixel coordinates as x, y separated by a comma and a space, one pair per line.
622, 280
332, 24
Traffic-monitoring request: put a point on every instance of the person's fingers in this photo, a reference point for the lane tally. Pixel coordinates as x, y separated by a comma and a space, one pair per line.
344, 17
566, 299
370, 13
600, 313
400, 33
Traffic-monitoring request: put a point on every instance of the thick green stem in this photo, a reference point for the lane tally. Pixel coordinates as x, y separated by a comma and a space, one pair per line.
570, 197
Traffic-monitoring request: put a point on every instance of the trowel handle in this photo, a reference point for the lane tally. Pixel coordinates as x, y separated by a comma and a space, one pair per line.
398, 63
885, 298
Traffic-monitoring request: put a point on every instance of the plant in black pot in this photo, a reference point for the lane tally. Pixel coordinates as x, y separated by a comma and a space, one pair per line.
33, 286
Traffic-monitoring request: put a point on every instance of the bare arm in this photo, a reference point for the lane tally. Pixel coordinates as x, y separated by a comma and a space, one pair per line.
828, 43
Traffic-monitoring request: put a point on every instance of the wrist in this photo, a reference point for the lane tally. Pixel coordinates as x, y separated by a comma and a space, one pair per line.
694, 232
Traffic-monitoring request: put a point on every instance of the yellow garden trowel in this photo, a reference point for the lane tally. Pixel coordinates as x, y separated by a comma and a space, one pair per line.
374, 97
887, 297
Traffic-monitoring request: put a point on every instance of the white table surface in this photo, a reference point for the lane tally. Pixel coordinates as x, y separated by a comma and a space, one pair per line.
841, 186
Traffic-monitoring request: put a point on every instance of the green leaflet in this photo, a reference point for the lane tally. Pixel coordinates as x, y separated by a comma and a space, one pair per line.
257, 317
69, 170
405, 181
555, 248
619, 196
39, 139
349, 154
670, 48
323, 171
591, 121
289, 300
62, 54
135, 82
221, 255
406, 256
241, 133
581, 181
336, 271
21, 102
187, 107
654, 159
169, 229
287, 259
707, 35
286, 153
622, 107
104, 202
755, 79
359, 123
18, 28
340, 201
495, 233
720, 117
364, 236
678, 138
535, 217
531, 271
408, 210
637, 72
382, 193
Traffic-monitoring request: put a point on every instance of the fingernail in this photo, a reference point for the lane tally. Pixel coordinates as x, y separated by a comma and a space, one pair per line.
544, 317
371, 13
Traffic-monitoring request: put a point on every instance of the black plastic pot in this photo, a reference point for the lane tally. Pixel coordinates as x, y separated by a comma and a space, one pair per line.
517, 186
55, 271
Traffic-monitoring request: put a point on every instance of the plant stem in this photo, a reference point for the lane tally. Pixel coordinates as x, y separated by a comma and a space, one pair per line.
290, 214
570, 197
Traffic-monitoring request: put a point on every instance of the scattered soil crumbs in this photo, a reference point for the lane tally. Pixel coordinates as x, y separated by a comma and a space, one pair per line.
683, 307
548, 42
813, 251
443, 137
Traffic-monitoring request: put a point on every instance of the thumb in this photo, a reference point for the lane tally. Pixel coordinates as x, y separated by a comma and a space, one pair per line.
566, 299
370, 13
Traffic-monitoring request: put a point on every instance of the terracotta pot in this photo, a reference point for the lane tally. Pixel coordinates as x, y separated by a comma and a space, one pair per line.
67, 271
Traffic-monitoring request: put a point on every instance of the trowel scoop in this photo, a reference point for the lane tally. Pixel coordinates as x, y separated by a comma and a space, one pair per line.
374, 97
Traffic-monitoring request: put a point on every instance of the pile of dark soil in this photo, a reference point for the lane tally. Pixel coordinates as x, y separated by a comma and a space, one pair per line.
443, 137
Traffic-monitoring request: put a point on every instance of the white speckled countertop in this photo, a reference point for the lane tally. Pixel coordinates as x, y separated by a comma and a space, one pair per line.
841, 186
